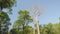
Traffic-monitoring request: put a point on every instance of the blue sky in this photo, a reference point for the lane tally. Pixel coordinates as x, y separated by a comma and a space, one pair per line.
51, 14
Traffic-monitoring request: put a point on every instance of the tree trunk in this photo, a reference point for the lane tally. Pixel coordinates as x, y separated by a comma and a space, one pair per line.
23, 29
37, 25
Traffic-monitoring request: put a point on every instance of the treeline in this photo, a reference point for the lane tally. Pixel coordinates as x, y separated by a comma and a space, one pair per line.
21, 25
44, 29
50, 28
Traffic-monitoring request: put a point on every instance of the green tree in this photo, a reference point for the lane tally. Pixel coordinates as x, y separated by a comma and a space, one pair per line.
4, 21
47, 29
24, 19
57, 28
4, 16
6, 4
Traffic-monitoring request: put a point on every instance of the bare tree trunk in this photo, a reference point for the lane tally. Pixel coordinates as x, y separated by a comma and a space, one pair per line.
37, 25
34, 31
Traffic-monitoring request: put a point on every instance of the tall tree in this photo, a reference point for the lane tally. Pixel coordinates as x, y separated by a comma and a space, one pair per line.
5, 4
24, 19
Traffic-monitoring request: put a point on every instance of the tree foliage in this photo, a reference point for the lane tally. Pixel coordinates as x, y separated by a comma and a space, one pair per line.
4, 18
24, 19
6, 3
4, 22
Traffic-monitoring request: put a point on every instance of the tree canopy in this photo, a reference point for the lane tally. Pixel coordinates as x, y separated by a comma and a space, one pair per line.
6, 3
